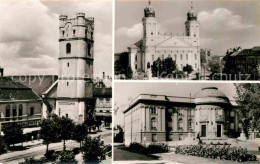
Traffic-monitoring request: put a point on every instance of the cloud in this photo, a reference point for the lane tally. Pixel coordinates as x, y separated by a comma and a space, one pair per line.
135, 31
222, 20
29, 34
221, 29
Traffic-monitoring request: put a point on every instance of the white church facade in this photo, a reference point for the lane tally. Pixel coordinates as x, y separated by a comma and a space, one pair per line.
183, 49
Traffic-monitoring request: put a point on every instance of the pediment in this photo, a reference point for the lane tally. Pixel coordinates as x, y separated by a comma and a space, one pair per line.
174, 41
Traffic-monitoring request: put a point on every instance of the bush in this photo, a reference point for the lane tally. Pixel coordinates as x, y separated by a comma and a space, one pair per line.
51, 155
3, 146
227, 153
157, 148
136, 146
67, 157
31, 160
108, 149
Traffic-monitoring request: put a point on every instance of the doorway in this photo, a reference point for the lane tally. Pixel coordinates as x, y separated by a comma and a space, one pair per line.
203, 130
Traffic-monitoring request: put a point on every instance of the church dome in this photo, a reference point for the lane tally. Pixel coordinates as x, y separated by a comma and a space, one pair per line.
149, 11
210, 95
192, 15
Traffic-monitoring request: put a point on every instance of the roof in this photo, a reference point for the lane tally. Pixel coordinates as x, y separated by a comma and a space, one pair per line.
257, 48
159, 98
210, 92
6, 82
38, 83
137, 44
12, 90
102, 92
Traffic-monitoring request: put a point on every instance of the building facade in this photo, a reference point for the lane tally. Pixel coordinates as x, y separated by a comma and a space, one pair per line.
76, 57
183, 49
244, 61
19, 104
161, 118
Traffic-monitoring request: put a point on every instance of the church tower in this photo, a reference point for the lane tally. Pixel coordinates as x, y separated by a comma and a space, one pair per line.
192, 27
149, 26
75, 66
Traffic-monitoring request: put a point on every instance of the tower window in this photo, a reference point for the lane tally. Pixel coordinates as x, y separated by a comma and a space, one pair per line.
86, 32
136, 66
135, 57
89, 50
63, 32
68, 64
68, 48
67, 83
74, 32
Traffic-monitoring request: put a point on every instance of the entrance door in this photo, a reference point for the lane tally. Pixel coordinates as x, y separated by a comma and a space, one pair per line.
218, 130
203, 130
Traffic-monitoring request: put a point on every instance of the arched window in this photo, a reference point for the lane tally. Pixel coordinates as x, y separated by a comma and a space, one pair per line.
14, 111
20, 110
7, 111
153, 123
68, 48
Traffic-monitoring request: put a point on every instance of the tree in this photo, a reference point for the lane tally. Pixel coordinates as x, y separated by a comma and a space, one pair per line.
163, 68
248, 98
66, 127
49, 130
13, 133
215, 68
3, 146
119, 137
188, 68
79, 133
93, 150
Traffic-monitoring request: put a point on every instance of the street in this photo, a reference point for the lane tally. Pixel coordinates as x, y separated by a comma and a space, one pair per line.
39, 150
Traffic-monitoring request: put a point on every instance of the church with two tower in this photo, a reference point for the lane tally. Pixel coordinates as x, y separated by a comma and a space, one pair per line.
183, 49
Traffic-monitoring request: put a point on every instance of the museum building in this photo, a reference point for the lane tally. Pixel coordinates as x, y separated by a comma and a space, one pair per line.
160, 118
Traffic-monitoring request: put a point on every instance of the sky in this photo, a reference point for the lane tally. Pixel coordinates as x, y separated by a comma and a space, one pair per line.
29, 34
125, 92
223, 24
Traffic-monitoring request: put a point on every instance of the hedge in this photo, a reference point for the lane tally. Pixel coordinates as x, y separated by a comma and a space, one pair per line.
212, 151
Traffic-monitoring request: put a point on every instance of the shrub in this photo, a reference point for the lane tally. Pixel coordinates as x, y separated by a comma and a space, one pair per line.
227, 153
31, 160
157, 148
3, 146
108, 149
67, 157
51, 155
136, 146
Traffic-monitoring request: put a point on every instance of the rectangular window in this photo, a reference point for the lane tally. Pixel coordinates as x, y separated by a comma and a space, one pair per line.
187, 57
153, 110
136, 66
31, 111
154, 138
135, 57
232, 126
74, 31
